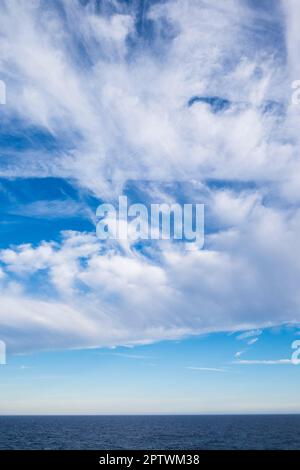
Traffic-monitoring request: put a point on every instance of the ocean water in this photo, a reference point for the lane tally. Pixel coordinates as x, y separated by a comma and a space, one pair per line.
150, 432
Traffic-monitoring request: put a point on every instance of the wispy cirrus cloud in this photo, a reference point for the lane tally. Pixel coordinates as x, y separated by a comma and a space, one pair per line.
82, 87
252, 341
108, 94
249, 334
207, 369
264, 362
53, 209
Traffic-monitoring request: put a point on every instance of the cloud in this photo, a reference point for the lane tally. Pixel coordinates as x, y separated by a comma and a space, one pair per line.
252, 341
249, 334
112, 89
239, 353
126, 118
132, 356
265, 362
111, 291
291, 9
53, 209
207, 369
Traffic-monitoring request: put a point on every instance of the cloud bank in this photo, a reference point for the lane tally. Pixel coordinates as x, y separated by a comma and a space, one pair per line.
164, 91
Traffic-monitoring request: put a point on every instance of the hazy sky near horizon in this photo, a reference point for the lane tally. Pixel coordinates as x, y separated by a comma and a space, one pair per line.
164, 101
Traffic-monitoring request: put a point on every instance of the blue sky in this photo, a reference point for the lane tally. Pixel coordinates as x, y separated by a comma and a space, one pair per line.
199, 375
163, 102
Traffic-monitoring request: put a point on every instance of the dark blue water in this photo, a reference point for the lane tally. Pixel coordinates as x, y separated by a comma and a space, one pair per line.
150, 432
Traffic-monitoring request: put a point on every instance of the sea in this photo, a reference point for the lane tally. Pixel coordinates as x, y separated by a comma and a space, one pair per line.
151, 432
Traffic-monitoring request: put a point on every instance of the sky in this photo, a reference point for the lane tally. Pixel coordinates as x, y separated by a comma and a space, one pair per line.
161, 101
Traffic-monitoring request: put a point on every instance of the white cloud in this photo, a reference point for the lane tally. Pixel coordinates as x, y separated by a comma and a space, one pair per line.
292, 12
233, 209
249, 334
122, 113
252, 341
239, 353
265, 362
131, 117
207, 369
128, 298
52, 209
